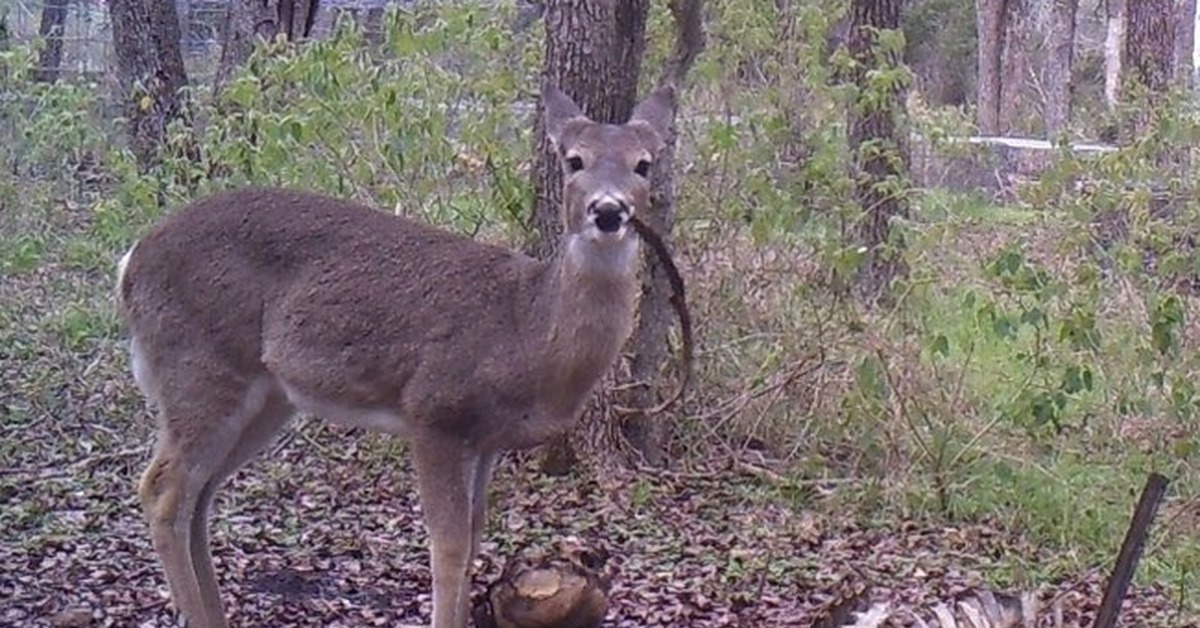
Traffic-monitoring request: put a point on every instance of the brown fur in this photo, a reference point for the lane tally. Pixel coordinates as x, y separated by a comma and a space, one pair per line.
249, 305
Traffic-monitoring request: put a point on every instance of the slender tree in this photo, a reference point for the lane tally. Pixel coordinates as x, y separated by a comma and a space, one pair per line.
151, 73
1114, 49
877, 144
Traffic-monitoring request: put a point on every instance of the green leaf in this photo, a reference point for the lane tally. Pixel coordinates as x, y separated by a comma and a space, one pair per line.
940, 345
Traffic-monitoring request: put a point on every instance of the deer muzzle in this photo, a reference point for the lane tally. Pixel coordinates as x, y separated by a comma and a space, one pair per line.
609, 214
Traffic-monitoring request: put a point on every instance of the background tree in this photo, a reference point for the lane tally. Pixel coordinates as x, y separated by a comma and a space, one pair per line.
1185, 41
1114, 50
1150, 43
249, 20
594, 54
150, 72
989, 15
879, 152
1059, 61
50, 31
1003, 28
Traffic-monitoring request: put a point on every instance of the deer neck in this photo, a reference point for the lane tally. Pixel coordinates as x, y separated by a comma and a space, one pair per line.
590, 294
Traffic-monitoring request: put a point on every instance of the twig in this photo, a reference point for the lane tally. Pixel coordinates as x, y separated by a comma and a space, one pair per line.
1131, 551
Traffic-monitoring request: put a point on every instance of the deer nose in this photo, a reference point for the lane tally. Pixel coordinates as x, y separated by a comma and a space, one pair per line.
608, 214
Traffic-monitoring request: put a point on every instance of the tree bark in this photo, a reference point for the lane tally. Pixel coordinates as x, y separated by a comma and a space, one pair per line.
1059, 63
1114, 49
1003, 28
151, 73
5, 39
989, 25
50, 31
879, 150
649, 342
1015, 64
1185, 42
1150, 44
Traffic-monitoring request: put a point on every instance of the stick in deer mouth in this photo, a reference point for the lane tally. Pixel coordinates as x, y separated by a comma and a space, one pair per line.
679, 301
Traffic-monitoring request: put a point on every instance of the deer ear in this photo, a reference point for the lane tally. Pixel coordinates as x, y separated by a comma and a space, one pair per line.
657, 110
559, 110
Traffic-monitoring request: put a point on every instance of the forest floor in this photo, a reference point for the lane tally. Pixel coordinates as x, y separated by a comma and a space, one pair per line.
325, 531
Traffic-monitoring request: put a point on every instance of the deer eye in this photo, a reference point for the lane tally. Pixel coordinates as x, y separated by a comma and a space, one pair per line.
642, 168
575, 163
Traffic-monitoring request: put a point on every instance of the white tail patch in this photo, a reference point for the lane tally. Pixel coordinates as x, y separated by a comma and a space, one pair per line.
122, 265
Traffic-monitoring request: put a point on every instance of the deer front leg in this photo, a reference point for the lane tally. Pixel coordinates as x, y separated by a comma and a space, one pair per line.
445, 479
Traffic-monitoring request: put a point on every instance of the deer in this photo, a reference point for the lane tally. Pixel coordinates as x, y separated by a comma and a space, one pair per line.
246, 307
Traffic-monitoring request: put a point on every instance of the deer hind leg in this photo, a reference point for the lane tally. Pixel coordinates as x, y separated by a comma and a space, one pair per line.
257, 435
203, 416
446, 479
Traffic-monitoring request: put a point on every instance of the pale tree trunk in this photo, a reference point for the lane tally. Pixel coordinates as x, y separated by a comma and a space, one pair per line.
248, 21
1114, 50
594, 54
151, 74
1058, 71
50, 31
1185, 41
880, 153
989, 25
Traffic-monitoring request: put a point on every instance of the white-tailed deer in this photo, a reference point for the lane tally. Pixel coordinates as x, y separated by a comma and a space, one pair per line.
248, 306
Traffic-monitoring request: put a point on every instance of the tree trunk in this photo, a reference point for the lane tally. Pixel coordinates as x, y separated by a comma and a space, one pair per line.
54, 21
150, 71
1185, 42
1114, 48
1015, 68
1003, 29
879, 150
247, 21
649, 343
1150, 45
989, 24
1059, 62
